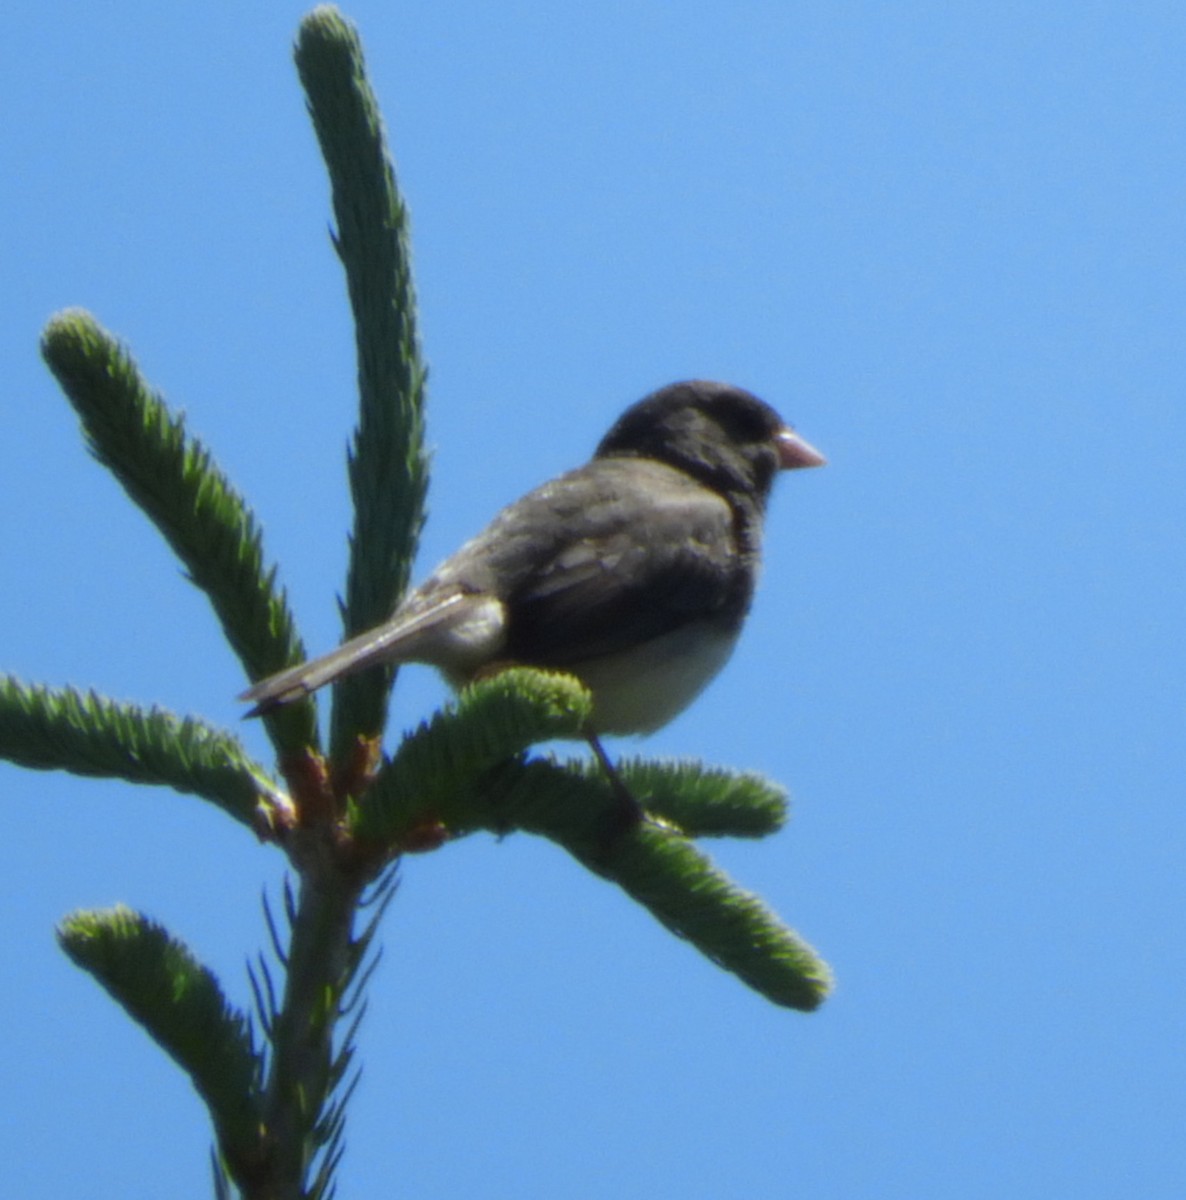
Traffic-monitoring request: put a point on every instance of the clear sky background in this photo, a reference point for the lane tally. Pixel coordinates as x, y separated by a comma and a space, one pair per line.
947, 241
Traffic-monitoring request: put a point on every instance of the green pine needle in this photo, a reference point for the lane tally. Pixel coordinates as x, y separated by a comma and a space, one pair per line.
172, 477
387, 462
181, 1006
704, 801
86, 734
729, 925
437, 772
664, 872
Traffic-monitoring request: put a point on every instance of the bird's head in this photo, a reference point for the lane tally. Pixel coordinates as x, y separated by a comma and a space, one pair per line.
721, 435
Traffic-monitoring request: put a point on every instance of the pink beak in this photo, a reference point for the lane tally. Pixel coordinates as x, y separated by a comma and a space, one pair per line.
794, 452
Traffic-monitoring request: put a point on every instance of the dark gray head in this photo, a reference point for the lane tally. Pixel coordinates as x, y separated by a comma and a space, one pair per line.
723, 436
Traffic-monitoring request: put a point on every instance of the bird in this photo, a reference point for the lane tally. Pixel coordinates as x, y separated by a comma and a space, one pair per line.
634, 573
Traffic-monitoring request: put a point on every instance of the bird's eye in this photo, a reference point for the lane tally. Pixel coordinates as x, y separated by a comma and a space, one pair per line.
748, 424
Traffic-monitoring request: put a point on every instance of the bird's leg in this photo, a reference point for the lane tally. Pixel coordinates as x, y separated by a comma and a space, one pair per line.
630, 812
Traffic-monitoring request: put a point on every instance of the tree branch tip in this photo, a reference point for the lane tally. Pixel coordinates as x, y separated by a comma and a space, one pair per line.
69, 327
327, 19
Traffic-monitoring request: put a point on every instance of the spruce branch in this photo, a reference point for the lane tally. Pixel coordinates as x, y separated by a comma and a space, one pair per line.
180, 1004
86, 734
172, 477
437, 774
465, 770
388, 465
734, 928
303, 1103
664, 872
702, 800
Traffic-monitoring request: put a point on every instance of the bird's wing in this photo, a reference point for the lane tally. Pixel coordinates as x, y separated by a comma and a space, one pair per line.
656, 552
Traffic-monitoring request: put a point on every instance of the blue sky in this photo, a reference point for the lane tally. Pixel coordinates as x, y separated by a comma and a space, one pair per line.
947, 242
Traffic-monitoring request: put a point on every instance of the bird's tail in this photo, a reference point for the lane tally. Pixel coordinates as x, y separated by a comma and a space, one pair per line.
296, 682
410, 639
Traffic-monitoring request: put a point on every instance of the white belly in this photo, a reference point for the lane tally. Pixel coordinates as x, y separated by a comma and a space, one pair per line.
641, 691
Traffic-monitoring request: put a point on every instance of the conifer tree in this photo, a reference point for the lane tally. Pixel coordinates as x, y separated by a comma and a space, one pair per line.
277, 1076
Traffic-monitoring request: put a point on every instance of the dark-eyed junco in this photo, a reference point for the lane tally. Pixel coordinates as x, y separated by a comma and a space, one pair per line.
634, 572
